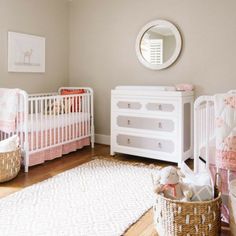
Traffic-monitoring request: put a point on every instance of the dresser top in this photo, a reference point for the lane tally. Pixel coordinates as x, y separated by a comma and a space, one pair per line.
151, 91
156, 88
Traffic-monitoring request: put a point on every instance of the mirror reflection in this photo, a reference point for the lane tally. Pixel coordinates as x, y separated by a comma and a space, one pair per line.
158, 44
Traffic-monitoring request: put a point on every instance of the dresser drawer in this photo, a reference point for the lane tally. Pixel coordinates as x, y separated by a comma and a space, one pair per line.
130, 105
160, 145
143, 105
165, 125
160, 106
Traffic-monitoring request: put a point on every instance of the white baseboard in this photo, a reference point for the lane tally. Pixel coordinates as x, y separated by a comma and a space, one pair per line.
102, 139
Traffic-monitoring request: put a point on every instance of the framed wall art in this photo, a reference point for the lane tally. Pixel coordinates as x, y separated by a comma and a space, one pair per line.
26, 53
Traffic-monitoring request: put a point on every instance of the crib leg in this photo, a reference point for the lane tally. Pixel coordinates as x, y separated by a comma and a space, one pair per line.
179, 164
26, 160
112, 153
26, 164
92, 143
26, 168
92, 136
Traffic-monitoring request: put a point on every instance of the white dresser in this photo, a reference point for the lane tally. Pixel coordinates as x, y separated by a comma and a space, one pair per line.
150, 122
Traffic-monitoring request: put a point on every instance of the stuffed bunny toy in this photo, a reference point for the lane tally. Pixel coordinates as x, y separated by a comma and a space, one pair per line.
169, 184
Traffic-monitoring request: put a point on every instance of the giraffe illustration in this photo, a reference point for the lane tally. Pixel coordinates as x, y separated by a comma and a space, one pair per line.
28, 54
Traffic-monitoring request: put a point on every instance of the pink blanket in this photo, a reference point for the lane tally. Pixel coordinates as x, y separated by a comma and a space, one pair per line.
8, 111
225, 110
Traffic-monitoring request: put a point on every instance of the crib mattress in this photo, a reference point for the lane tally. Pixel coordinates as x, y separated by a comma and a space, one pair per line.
41, 122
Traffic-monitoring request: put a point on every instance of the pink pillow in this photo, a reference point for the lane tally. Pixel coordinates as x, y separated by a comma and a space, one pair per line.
184, 87
72, 92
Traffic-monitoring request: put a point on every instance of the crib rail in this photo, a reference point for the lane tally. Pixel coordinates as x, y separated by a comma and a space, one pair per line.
204, 129
204, 134
42, 94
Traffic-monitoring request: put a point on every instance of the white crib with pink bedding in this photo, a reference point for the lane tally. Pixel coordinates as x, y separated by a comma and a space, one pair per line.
52, 124
215, 137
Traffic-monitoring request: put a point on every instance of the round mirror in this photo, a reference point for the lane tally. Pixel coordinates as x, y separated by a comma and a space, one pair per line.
158, 44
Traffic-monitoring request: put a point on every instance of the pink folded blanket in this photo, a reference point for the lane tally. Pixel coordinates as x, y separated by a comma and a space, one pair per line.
8, 109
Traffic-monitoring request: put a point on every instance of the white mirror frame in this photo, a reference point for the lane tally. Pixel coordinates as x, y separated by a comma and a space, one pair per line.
176, 53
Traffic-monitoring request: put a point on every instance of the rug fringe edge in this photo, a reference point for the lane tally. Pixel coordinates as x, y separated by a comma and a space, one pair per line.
138, 164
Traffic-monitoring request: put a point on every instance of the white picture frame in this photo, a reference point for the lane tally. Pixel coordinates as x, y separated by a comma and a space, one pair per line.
26, 53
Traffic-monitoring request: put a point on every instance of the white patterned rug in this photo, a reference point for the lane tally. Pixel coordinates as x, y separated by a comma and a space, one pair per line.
99, 198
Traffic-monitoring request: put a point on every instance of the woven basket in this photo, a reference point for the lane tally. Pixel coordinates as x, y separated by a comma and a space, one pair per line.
176, 218
10, 163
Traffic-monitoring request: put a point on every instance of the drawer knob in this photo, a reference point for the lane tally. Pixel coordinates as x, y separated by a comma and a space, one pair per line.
159, 125
129, 122
129, 105
159, 145
128, 141
159, 107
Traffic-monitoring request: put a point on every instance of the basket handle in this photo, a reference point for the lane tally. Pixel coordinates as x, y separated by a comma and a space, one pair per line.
217, 185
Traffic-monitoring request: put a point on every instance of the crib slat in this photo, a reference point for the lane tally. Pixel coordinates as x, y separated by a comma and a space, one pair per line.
58, 121
31, 128
85, 115
76, 116
87, 112
50, 122
66, 125
46, 122
62, 127
36, 125
83, 110
53, 120
20, 121
69, 118
207, 133
88, 120
80, 114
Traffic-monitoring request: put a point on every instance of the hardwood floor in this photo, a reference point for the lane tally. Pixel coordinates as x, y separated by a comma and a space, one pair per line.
143, 227
51, 168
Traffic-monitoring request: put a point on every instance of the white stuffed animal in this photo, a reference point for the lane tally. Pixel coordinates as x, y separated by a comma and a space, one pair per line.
170, 185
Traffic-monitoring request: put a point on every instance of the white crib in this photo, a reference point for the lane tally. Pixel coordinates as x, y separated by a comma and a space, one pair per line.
204, 136
41, 129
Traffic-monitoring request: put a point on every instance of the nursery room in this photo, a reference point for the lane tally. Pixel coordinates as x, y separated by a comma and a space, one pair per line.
117, 118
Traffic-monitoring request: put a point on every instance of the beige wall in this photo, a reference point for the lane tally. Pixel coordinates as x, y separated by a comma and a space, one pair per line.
102, 52
102, 39
47, 18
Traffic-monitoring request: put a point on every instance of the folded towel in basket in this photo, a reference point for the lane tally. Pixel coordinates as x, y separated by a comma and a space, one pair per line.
10, 144
8, 111
201, 183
